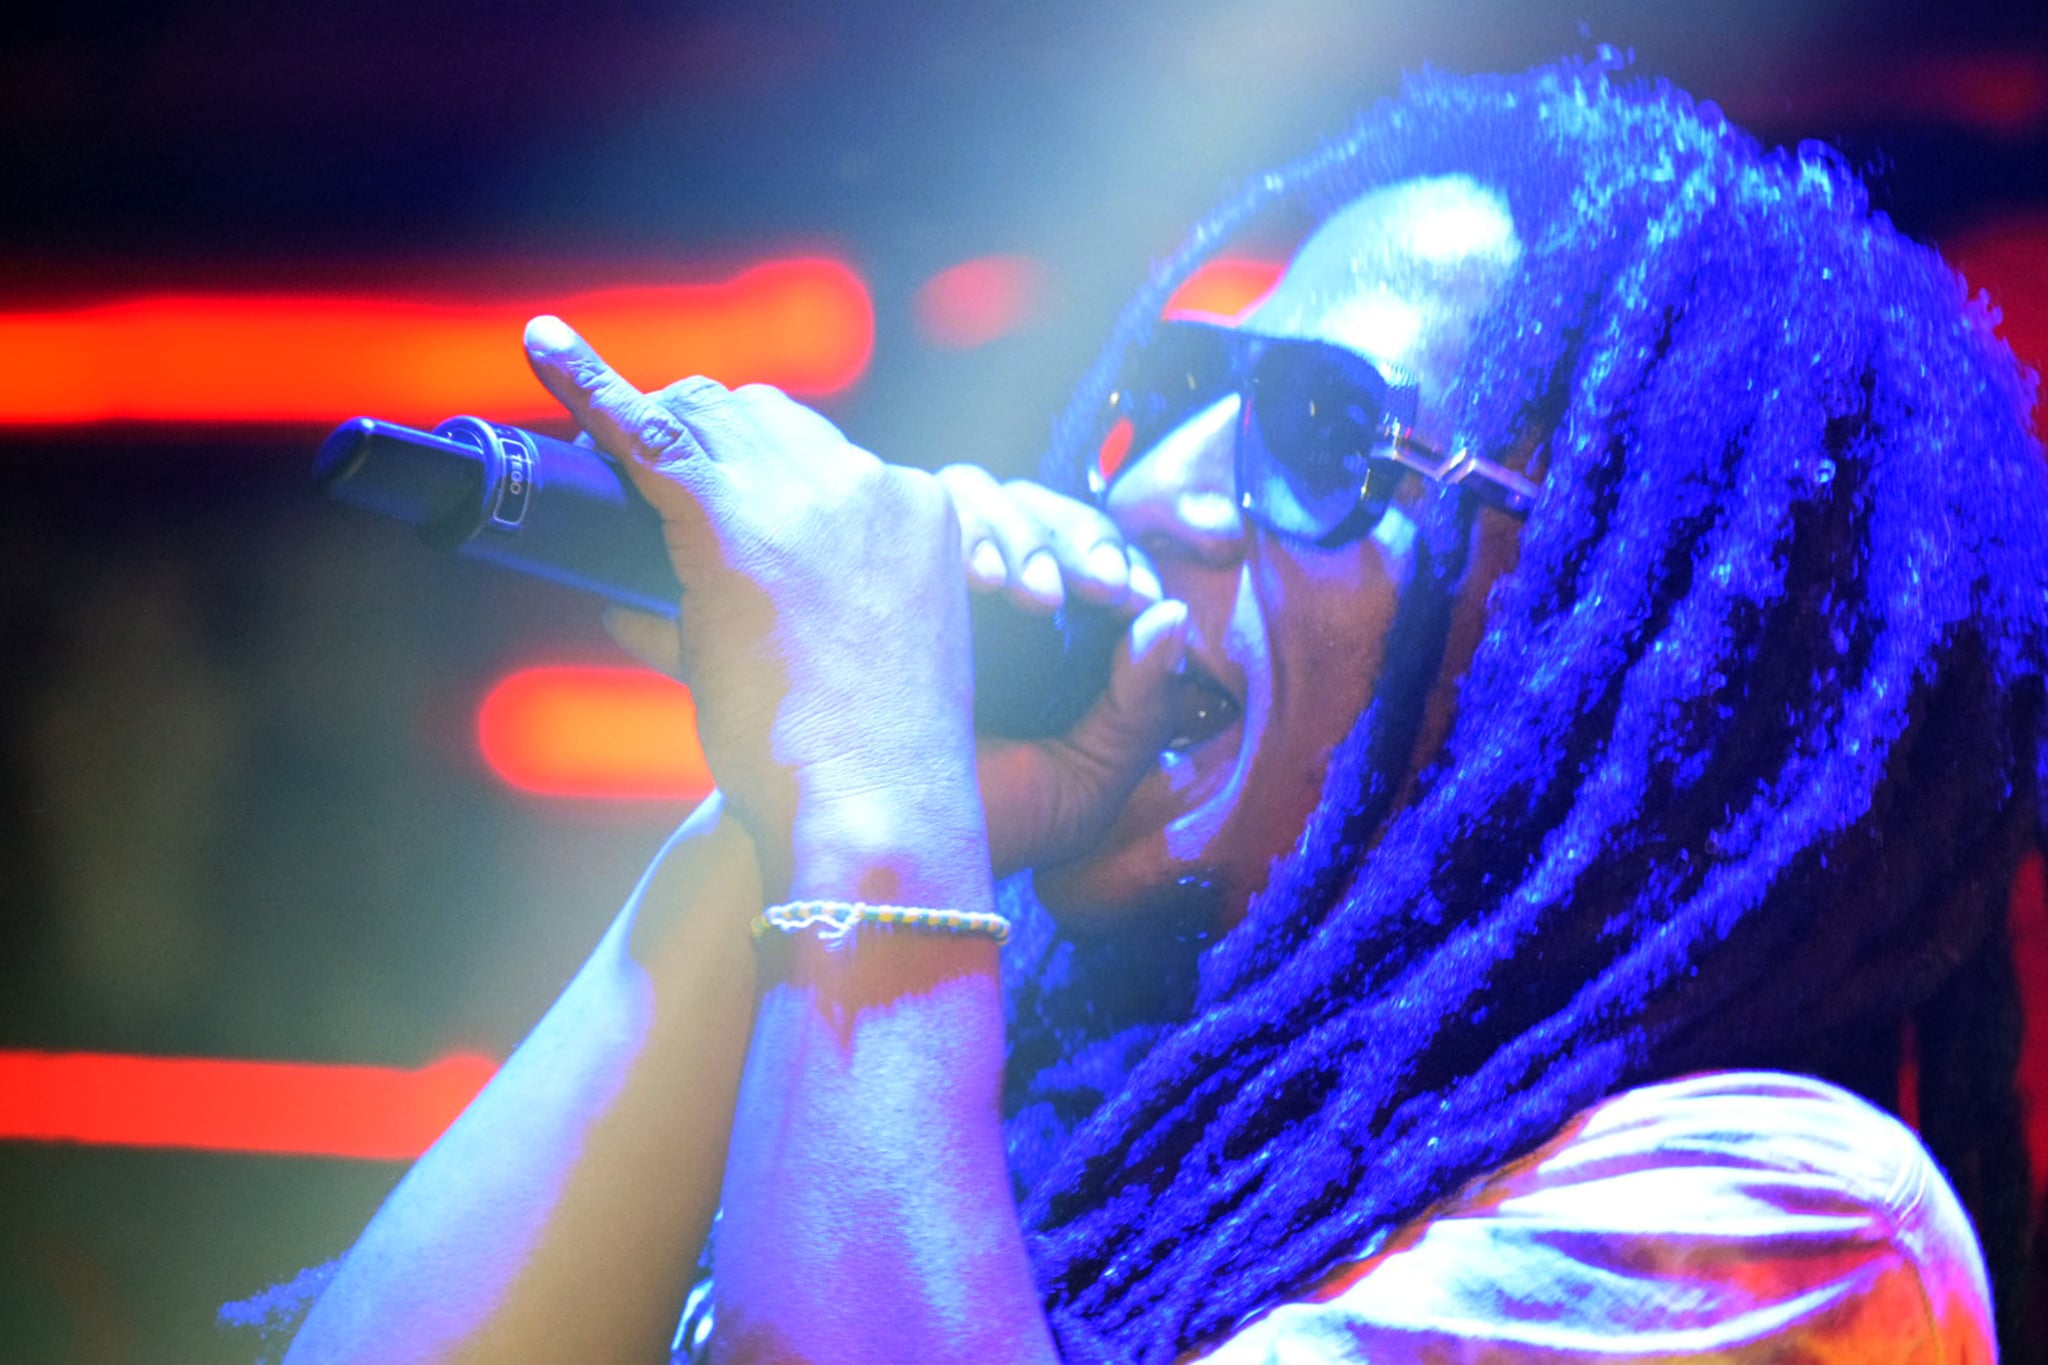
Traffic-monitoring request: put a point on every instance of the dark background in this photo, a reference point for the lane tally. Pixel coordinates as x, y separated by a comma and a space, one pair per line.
241, 814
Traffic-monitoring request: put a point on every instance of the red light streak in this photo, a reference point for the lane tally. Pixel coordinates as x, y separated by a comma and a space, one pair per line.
594, 732
806, 324
1223, 290
1116, 448
290, 1108
1999, 92
2007, 257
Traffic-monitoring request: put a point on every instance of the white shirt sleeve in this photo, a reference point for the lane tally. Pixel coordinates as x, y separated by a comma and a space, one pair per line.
1732, 1217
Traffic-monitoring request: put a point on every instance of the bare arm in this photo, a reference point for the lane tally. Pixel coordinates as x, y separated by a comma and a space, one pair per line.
868, 1211
558, 1219
868, 1214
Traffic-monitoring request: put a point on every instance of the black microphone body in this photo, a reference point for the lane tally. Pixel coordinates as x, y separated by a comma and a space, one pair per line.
568, 513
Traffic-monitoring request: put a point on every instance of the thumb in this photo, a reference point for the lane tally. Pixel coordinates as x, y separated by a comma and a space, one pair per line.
1122, 732
1049, 801
653, 640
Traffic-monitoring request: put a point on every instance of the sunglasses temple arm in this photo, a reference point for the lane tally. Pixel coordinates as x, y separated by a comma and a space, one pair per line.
1494, 484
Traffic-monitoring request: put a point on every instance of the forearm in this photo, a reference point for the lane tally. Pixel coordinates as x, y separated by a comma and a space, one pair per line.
868, 1215
559, 1217
827, 647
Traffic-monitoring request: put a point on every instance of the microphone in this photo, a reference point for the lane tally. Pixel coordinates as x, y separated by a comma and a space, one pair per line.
569, 514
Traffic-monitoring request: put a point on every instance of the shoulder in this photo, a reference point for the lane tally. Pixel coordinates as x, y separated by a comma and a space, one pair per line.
1739, 1215
1760, 1160
1734, 1135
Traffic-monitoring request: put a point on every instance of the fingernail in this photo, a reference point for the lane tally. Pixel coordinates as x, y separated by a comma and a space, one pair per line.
985, 562
1107, 565
550, 335
1163, 626
1041, 576
1144, 582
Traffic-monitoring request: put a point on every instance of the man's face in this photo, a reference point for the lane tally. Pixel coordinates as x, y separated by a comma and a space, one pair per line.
1285, 639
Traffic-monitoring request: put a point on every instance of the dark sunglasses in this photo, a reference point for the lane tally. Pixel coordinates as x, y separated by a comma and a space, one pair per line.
1323, 438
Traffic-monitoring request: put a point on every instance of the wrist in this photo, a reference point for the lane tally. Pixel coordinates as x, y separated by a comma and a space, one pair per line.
708, 872
876, 968
919, 844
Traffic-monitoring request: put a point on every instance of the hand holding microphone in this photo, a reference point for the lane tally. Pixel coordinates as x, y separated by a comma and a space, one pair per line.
817, 586
568, 513
825, 636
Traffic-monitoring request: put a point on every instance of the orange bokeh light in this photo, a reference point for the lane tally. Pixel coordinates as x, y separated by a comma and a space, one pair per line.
976, 301
806, 324
594, 732
1223, 290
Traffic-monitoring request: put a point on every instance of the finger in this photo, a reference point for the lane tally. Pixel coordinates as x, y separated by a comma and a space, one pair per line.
1002, 544
1049, 802
1093, 558
1125, 729
625, 423
972, 493
651, 639
1145, 585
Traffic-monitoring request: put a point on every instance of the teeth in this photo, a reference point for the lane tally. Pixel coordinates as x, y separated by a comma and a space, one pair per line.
1201, 711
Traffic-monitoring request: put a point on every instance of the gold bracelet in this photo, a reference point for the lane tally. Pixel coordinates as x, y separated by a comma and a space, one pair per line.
835, 921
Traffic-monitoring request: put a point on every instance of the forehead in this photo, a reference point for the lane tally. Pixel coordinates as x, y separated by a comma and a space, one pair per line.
1396, 273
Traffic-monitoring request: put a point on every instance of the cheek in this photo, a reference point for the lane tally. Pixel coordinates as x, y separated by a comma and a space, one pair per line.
1330, 613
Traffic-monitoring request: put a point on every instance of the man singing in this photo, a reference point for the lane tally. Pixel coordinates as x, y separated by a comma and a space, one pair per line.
1580, 709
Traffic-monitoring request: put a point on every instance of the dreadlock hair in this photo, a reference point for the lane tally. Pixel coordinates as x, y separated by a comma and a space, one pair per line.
1741, 768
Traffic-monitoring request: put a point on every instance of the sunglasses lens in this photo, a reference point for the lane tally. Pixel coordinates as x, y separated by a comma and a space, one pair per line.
1310, 422
1182, 371
1303, 449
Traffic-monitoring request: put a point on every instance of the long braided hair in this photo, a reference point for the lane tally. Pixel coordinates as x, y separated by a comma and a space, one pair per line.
1741, 768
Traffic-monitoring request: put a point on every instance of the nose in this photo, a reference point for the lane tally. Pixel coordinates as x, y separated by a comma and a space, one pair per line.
1179, 499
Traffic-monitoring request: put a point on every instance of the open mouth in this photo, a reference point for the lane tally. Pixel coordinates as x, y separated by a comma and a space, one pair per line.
1200, 708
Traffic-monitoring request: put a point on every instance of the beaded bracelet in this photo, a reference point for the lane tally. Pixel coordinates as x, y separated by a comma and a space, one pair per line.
835, 921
